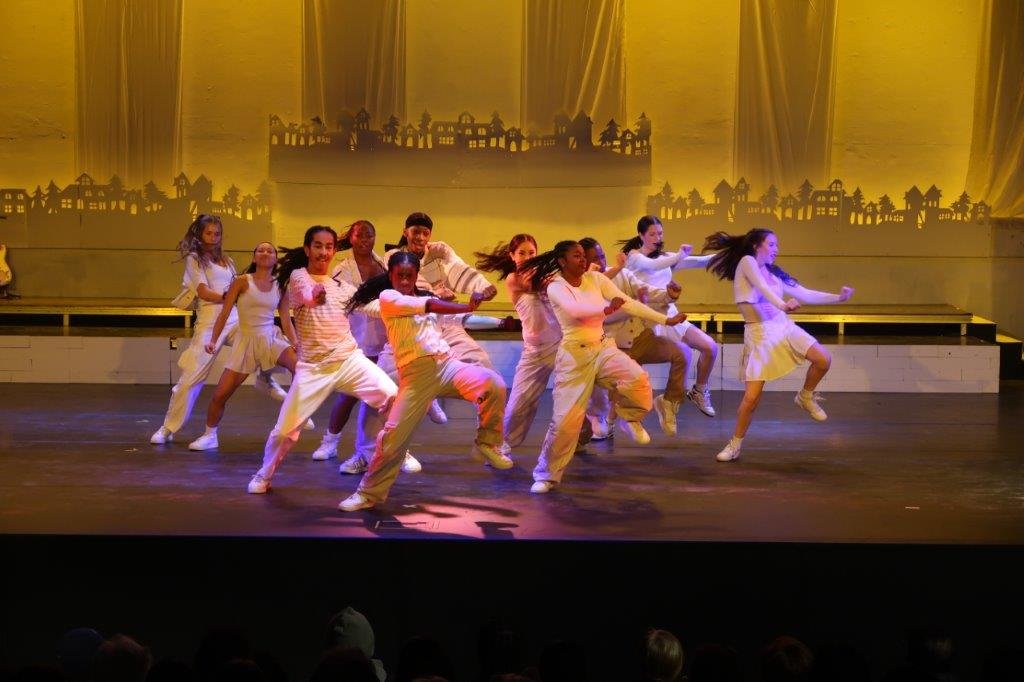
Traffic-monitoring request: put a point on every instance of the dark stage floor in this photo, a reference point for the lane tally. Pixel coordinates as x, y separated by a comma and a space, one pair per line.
888, 468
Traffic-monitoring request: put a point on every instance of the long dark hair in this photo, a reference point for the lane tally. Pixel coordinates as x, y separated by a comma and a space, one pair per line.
732, 248
345, 241
252, 266
293, 259
636, 242
371, 289
414, 219
192, 242
542, 266
500, 259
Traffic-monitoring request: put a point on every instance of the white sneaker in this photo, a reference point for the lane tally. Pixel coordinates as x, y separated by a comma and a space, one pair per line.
309, 425
810, 403
729, 453
207, 441
410, 464
328, 446
702, 399
353, 465
266, 384
258, 485
355, 502
600, 428
161, 436
436, 413
636, 431
491, 455
666, 411
542, 487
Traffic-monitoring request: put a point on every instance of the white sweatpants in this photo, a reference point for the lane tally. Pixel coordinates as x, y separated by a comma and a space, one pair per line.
311, 385
531, 380
578, 368
196, 363
420, 382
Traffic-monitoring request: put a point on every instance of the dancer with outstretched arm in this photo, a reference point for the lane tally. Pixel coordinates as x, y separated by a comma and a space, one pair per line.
773, 345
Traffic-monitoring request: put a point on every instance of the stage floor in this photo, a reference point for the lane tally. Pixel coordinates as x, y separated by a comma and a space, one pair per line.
885, 468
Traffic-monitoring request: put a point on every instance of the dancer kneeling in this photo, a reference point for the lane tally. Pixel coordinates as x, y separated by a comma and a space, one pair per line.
773, 346
425, 371
581, 301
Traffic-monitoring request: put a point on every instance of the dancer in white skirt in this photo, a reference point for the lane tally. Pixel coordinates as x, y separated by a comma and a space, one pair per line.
645, 258
426, 369
208, 276
259, 345
371, 336
329, 357
773, 346
582, 300
541, 335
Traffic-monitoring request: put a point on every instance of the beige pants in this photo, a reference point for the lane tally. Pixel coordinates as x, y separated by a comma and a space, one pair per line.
419, 382
531, 380
578, 368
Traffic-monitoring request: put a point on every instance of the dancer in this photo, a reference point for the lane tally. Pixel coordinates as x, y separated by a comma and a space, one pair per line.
582, 300
637, 339
329, 357
426, 369
646, 259
208, 274
259, 344
541, 335
773, 345
371, 336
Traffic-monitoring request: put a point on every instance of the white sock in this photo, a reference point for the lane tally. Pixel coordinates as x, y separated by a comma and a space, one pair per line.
211, 430
804, 393
736, 442
700, 388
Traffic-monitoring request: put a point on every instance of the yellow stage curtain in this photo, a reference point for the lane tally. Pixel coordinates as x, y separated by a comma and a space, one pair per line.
573, 61
996, 170
353, 57
785, 92
128, 67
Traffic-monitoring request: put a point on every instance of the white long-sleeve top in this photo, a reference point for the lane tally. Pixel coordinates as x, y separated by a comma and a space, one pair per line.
580, 310
622, 326
412, 331
658, 271
540, 326
750, 286
368, 331
442, 271
324, 331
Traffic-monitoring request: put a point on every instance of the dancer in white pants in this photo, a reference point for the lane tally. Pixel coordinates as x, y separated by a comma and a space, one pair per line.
371, 336
636, 338
541, 335
426, 369
208, 275
329, 357
647, 261
773, 345
581, 301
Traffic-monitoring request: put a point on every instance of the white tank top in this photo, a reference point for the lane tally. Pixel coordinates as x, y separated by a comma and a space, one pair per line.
540, 326
256, 308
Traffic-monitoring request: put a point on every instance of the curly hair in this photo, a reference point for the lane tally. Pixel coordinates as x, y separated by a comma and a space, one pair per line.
192, 242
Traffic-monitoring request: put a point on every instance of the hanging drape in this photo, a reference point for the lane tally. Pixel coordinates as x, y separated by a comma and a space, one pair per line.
573, 61
996, 169
128, 68
353, 57
785, 91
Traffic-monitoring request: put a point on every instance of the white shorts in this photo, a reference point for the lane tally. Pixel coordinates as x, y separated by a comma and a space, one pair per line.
256, 351
773, 349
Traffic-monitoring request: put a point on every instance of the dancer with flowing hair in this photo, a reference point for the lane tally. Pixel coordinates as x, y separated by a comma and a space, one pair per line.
329, 357
369, 332
581, 300
541, 334
426, 369
773, 345
644, 256
209, 273
259, 345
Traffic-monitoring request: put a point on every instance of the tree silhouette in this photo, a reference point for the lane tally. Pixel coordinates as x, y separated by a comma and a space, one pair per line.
695, 201
38, 199
770, 199
264, 194
643, 128
52, 197
856, 204
610, 135
391, 128
153, 196
885, 207
497, 126
231, 200
962, 206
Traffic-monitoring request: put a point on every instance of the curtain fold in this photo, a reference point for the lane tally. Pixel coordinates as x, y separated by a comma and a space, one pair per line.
785, 92
573, 61
353, 57
996, 168
128, 67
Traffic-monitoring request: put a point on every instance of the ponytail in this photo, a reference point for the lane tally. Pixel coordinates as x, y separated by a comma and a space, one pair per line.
371, 289
636, 242
732, 248
345, 241
541, 267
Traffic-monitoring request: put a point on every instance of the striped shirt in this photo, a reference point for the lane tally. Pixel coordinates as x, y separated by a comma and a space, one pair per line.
443, 272
323, 330
412, 331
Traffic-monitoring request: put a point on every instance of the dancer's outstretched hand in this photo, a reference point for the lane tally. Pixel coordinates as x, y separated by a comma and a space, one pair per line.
613, 305
490, 292
209, 347
673, 289
791, 305
845, 294
678, 318
685, 250
620, 259
475, 299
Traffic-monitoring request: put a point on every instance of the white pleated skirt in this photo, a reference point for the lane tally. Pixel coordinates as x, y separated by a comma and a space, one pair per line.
256, 350
773, 348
